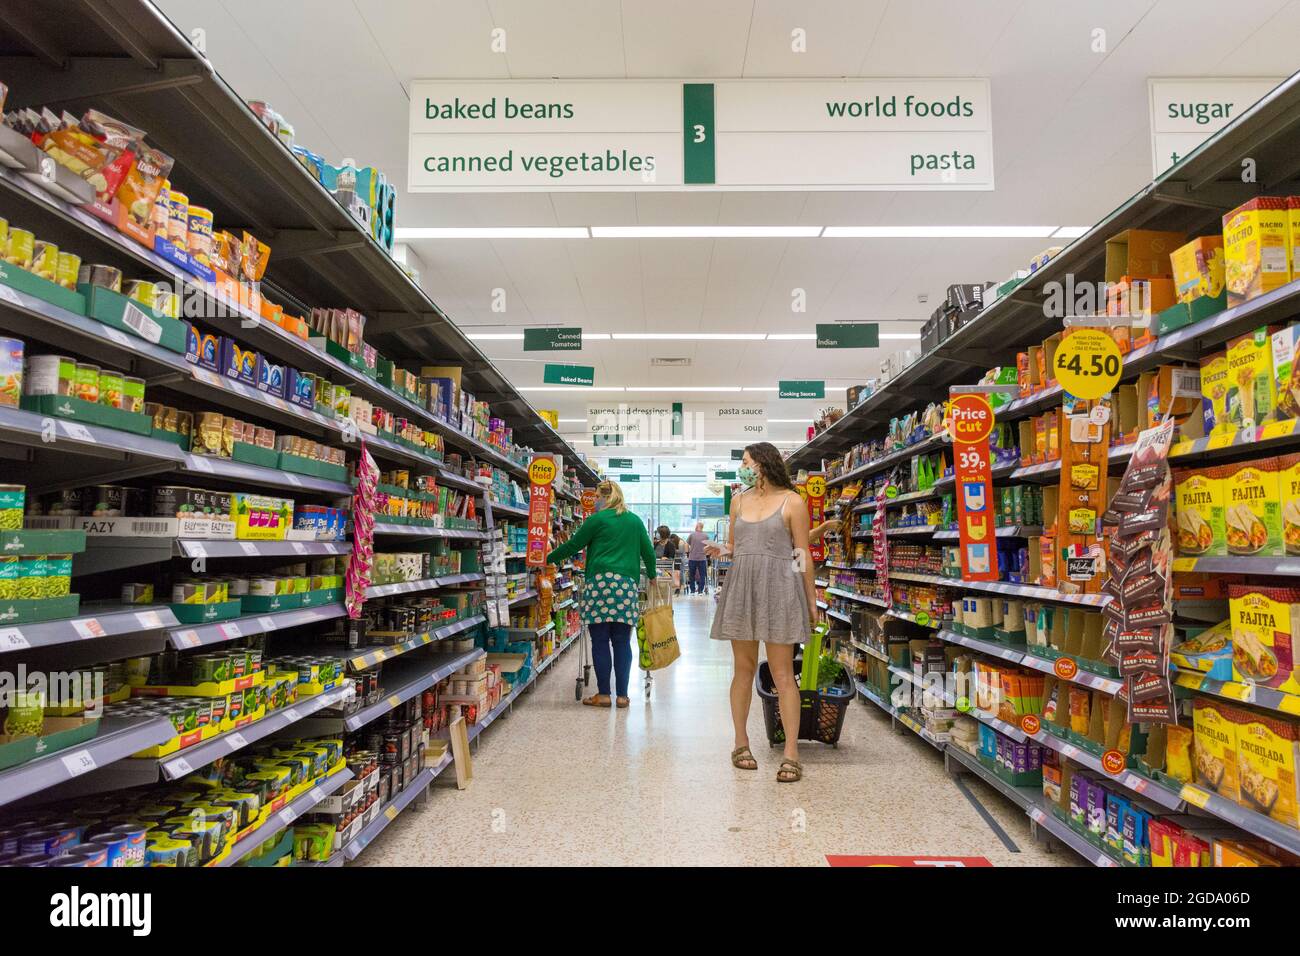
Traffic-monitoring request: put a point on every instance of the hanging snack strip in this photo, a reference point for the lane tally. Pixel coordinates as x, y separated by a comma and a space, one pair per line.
1139, 618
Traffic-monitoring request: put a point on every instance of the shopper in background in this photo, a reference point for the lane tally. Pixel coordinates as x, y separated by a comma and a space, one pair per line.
617, 546
698, 565
664, 547
768, 596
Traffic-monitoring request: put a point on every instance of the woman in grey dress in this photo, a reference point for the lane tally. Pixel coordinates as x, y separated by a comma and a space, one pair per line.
768, 596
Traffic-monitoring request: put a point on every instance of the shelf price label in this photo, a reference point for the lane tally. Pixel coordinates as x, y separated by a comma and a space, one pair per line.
1088, 363
79, 763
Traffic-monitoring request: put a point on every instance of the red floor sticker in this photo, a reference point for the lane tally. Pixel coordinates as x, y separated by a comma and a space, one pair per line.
907, 861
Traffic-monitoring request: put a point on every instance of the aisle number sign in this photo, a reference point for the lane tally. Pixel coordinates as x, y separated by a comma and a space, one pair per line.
641, 135
970, 422
1088, 363
541, 474
816, 497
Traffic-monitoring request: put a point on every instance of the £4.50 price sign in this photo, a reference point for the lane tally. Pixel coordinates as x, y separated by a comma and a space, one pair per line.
970, 423
1088, 363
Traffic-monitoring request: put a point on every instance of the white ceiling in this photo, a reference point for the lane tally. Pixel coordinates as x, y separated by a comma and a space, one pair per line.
1070, 139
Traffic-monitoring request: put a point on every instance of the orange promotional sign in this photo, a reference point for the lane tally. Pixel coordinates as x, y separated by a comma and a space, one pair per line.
541, 473
1065, 668
1030, 724
970, 423
816, 500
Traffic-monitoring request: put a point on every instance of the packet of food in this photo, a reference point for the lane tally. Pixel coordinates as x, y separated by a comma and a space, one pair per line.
225, 252
252, 259
143, 182
91, 156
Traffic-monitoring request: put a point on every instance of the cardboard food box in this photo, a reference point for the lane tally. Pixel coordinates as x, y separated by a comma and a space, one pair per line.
1214, 746
1198, 268
1255, 248
1267, 748
1265, 622
1141, 254
1250, 395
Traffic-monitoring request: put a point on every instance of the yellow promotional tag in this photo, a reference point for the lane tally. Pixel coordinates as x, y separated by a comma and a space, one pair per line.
1222, 440
1276, 430
1088, 363
1195, 796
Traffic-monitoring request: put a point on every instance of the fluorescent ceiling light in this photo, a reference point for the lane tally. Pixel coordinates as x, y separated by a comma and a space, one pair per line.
689, 336
1071, 232
791, 336
573, 421
759, 388
900, 335
784, 421
684, 388
492, 232
572, 388
705, 232
938, 232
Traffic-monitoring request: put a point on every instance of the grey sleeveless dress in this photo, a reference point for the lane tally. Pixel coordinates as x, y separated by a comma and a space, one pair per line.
762, 596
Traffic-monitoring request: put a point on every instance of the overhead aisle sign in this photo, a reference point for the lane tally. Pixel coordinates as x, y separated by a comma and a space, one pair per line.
676, 422
597, 135
1186, 112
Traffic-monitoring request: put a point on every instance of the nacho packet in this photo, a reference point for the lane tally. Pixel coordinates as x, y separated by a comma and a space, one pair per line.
253, 257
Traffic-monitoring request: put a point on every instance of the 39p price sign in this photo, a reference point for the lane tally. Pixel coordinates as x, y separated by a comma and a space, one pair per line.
541, 473
970, 423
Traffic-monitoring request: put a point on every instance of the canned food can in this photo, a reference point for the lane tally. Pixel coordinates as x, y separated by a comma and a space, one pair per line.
106, 277
102, 501
115, 847
19, 248
51, 375
141, 290
111, 387
199, 239
87, 387
67, 270
178, 213
133, 394
45, 259
137, 593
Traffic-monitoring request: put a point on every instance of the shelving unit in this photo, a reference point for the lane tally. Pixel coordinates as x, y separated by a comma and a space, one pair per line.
229, 162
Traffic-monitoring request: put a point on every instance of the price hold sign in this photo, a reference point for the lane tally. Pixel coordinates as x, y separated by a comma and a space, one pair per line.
1088, 363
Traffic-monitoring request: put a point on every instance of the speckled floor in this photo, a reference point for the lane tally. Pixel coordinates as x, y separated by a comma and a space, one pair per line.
556, 783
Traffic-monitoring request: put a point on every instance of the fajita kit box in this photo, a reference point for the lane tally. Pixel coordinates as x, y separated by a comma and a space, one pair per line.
1266, 766
1214, 746
1214, 394
1265, 622
1198, 268
1288, 483
1252, 501
1200, 511
1286, 371
260, 517
1250, 397
1255, 252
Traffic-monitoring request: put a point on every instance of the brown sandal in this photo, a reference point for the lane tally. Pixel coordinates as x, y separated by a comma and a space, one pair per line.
742, 755
791, 771
596, 700
621, 702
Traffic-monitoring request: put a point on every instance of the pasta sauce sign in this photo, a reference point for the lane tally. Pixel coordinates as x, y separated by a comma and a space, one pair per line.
970, 423
541, 473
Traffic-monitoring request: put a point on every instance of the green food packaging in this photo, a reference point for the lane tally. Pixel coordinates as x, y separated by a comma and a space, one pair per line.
26, 715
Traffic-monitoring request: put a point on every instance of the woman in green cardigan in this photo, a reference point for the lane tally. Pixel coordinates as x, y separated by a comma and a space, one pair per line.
617, 546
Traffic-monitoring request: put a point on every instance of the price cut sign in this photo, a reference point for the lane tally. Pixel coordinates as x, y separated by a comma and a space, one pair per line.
970, 423
541, 473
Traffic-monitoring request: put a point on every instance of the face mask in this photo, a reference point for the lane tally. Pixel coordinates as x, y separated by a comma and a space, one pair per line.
600, 504
748, 477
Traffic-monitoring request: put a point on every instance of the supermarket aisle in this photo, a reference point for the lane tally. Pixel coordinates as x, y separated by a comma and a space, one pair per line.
561, 784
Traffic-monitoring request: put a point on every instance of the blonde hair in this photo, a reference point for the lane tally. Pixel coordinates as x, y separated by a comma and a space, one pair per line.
612, 493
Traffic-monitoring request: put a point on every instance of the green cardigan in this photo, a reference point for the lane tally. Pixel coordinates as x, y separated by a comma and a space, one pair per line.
614, 543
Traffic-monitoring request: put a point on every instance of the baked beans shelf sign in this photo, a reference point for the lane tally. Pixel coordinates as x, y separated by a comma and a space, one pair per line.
541, 473
970, 423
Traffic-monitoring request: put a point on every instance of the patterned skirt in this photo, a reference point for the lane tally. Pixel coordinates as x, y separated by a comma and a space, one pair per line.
611, 597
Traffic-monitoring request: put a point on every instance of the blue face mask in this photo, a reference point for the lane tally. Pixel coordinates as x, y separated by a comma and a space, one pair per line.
600, 505
748, 476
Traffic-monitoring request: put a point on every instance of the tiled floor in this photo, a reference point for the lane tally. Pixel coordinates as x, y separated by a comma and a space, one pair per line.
561, 784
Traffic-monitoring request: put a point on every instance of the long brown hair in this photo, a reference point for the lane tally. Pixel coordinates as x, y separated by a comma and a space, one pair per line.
770, 464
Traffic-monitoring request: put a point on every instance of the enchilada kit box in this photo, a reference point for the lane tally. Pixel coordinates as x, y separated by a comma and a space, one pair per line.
1139, 617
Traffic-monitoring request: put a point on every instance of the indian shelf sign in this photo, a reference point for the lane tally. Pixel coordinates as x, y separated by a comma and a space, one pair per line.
848, 335
595, 135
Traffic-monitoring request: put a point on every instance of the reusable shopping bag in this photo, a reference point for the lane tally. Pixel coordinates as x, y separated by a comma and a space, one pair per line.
656, 634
